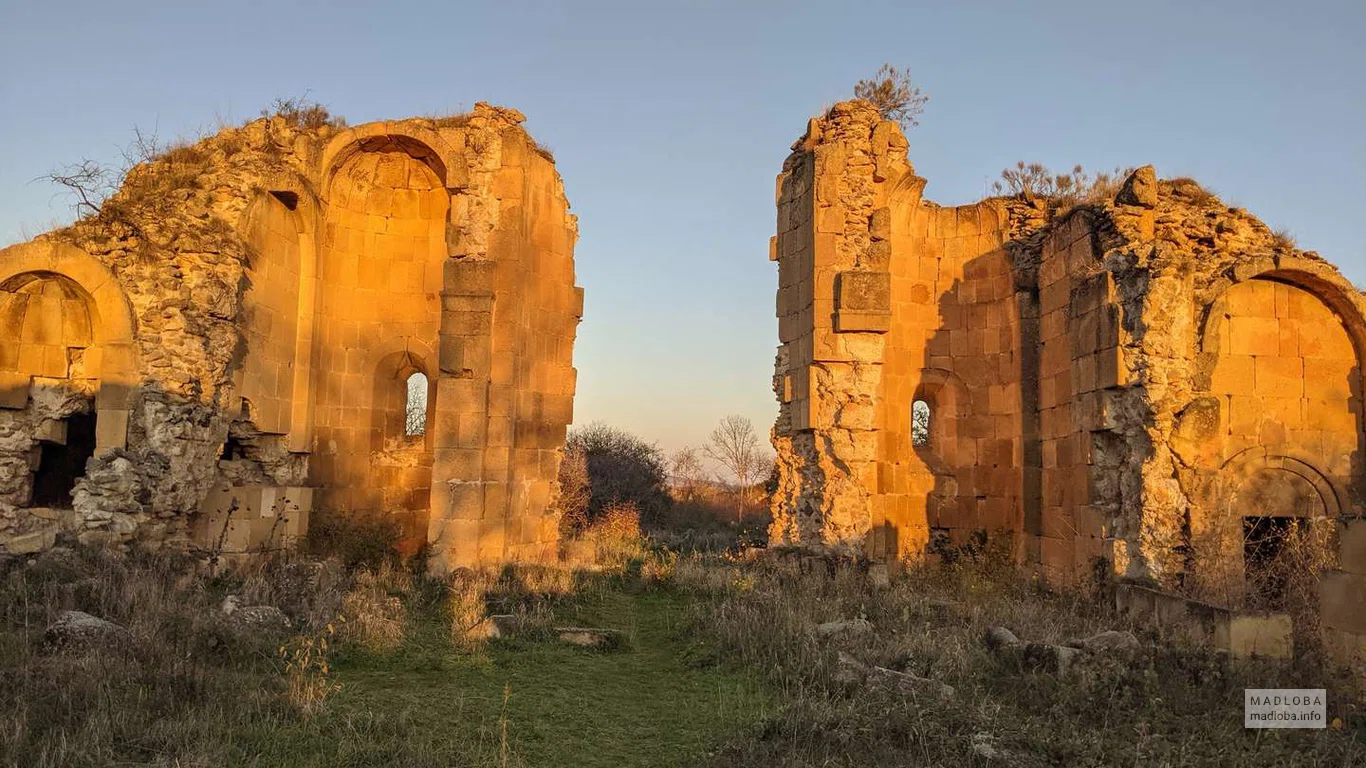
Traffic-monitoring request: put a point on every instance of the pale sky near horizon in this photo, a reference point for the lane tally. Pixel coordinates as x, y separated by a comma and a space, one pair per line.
670, 121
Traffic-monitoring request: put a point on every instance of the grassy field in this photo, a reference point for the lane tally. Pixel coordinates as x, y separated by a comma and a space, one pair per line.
560, 704
721, 666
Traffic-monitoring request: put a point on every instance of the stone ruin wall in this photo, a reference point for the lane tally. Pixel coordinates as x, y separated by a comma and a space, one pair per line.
1115, 390
240, 320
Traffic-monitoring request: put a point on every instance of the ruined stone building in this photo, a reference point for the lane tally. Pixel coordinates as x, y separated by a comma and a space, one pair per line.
1142, 388
285, 318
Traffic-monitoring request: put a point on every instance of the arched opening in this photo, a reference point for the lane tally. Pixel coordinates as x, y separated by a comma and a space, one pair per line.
920, 423
415, 405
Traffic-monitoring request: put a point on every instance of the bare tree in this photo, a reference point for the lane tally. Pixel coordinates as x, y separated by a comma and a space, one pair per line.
415, 405
89, 182
735, 446
920, 423
891, 91
686, 472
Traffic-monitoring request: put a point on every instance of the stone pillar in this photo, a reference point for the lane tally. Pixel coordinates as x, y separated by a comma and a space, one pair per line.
834, 307
460, 420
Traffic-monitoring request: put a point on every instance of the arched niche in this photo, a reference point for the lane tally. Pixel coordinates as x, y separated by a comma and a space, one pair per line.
78, 301
422, 144
279, 307
1280, 352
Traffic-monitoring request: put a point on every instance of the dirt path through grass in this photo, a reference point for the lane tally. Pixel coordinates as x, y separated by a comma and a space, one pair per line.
564, 705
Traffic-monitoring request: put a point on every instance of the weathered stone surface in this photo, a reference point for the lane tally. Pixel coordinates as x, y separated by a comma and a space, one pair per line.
1140, 188
77, 630
998, 638
909, 684
1141, 384
588, 637
262, 617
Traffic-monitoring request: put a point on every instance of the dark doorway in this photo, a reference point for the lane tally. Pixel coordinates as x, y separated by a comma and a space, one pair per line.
60, 465
1264, 566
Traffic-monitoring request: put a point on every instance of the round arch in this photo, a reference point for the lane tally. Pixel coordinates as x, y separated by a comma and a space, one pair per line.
113, 326
421, 143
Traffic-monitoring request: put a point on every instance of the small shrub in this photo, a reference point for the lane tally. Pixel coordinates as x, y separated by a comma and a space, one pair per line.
892, 93
622, 468
357, 539
302, 113
1192, 191
372, 611
467, 604
1077, 187
1283, 240
616, 535
308, 675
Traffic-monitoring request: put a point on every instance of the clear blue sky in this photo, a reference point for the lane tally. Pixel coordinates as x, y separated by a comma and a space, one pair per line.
670, 120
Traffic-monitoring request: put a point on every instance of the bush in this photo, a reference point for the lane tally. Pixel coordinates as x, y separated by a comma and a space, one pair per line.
358, 539
1065, 189
891, 92
302, 113
621, 469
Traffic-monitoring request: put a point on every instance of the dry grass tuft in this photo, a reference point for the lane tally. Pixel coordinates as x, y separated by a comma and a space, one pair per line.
372, 612
302, 113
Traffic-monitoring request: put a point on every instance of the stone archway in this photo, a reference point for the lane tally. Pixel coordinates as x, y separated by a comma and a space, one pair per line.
1280, 451
83, 289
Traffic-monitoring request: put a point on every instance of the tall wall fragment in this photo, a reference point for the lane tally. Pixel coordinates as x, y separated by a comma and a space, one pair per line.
1130, 385
240, 324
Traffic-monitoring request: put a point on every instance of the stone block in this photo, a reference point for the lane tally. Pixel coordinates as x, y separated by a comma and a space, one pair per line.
14, 388
1281, 377
111, 429
1340, 601
1352, 546
1269, 636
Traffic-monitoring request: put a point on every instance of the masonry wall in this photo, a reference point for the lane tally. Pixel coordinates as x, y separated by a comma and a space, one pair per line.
952, 344
241, 319
1116, 389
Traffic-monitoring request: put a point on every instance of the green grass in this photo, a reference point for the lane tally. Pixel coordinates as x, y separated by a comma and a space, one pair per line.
430, 704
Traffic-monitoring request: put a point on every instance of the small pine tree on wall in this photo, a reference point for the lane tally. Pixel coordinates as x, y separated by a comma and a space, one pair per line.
893, 94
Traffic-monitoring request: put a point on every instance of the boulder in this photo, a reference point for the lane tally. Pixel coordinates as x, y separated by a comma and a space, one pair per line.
849, 670
1109, 641
1000, 638
1139, 189
76, 629
588, 637
909, 684
255, 616
839, 628
984, 746
1053, 659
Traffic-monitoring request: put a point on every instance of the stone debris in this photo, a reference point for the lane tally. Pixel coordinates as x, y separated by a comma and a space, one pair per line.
908, 683
1042, 657
984, 746
264, 617
1109, 640
79, 630
844, 628
998, 638
591, 637
849, 670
